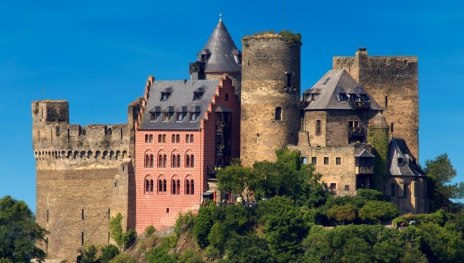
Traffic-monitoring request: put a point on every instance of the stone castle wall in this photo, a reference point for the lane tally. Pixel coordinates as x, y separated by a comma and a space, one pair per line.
268, 61
84, 177
393, 83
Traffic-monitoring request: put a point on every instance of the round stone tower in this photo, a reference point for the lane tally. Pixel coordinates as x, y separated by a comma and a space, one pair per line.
270, 95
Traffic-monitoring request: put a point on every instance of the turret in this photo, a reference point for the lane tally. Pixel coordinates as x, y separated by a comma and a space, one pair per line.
218, 56
270, 95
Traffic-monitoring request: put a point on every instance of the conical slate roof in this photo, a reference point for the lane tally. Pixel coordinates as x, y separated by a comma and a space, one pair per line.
222, 52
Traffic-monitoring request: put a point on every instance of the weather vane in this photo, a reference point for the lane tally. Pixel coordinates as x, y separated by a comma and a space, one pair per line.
220, 15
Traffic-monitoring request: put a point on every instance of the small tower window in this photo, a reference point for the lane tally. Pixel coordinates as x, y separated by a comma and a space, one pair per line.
391, 127
226, 97
289, 80
278, 114
318, 127
386, 101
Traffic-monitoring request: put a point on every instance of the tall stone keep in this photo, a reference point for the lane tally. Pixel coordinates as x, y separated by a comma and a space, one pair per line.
270, 114
393, 83
84, 177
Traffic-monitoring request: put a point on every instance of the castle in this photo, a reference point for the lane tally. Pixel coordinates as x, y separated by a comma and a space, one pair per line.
358, 125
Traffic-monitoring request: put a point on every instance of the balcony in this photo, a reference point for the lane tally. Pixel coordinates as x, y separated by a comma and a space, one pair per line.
361, 105
364, 170
356, 131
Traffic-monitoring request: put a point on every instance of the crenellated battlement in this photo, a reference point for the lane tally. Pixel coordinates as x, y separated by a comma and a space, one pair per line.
57, 141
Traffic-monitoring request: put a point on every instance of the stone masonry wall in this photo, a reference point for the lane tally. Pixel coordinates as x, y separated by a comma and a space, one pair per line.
268, 61
408, 193
393, 83
342, 174
84, 176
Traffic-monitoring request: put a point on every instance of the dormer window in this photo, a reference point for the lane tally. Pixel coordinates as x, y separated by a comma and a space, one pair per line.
205, 55
154, 115
165, 94
195, 114
181, 115
364, 97
342, 97
167, 115
401, 161
237, 56
198, 93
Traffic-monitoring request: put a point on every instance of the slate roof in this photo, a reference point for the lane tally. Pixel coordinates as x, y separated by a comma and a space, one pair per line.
328, 93
222, 49
181, 98
363, 153
399, 150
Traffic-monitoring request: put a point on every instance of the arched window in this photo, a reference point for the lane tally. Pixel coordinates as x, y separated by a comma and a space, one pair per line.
278, 114
149, 159
175, 186
162, 159
189, 160
175, 159
162, 184
187, 187
192, 187
226, 97
148, 184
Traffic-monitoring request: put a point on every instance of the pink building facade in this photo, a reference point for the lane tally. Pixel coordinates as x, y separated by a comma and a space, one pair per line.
185, 131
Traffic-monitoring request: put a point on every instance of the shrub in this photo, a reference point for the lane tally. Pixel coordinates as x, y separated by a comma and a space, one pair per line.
378, 211
371, 194
342, 214
150, 230
189, 256
123, 258
438, 218
185, 222
123, 239
89, 254
108, 252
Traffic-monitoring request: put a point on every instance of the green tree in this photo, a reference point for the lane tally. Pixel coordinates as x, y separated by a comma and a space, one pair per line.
204, 222
441, 244
440, 173
238, 180
283, 227
19, 232
248, 249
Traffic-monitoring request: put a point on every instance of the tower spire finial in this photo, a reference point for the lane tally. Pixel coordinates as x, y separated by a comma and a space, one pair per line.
220, 16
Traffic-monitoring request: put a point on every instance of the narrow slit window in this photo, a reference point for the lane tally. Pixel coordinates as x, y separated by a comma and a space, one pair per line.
289, 80
278, 114
318, 127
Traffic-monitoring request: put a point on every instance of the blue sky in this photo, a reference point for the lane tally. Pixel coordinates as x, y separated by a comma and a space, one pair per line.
98, 54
